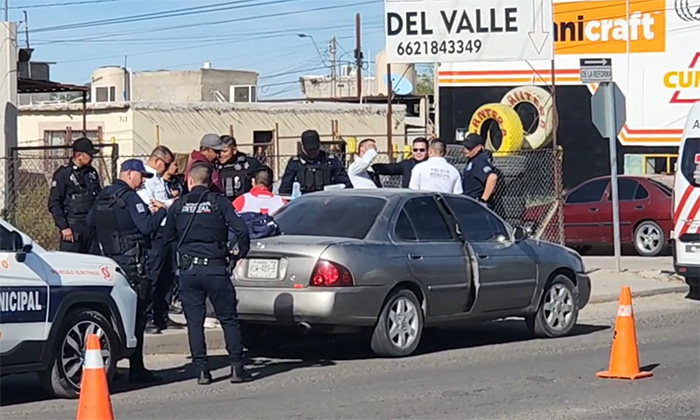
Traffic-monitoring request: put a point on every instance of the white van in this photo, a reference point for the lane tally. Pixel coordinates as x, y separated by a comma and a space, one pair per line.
686, 203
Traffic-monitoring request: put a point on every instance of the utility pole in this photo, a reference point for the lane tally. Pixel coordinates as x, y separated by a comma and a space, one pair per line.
358, 56
7, 10
334, 65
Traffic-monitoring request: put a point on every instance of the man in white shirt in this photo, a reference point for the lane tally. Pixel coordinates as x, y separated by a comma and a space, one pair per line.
359, 170
160, 261
436, 174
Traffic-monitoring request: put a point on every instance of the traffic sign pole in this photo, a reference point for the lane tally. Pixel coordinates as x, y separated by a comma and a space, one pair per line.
612, 137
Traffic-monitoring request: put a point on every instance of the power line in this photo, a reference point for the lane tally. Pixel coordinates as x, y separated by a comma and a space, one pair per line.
187, 11
64, 4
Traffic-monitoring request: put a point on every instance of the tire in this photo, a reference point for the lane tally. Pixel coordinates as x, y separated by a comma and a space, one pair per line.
582, 249
541, 100
60, 380
649, 239
539, 324
382, 343
509, 124
511, 208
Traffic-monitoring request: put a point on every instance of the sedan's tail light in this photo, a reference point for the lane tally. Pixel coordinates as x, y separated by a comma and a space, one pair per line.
330, 274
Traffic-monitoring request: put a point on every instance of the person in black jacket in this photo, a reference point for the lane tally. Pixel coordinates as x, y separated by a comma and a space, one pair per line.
404, 168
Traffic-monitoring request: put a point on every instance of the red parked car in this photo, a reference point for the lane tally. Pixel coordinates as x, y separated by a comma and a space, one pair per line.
645, 213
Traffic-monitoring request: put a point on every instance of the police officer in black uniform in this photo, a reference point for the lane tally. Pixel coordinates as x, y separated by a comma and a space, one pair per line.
74, 189
124, 225
480, 175
237, 169
313, 168
199, 222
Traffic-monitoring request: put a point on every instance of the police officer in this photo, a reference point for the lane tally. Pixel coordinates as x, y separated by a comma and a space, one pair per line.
236, 169
313, 168
123, 225
480, 178
199, 222
74, 189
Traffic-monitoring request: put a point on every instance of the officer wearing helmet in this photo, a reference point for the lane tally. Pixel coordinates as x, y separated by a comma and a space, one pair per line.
313, 168
74, 189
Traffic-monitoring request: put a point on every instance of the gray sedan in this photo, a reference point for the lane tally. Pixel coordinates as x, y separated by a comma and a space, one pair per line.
393, 261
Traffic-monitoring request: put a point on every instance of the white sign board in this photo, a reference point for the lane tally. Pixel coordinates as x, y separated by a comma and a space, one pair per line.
444, 31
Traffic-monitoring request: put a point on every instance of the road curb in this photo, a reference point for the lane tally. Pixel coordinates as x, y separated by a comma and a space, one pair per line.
614, 297
175, 342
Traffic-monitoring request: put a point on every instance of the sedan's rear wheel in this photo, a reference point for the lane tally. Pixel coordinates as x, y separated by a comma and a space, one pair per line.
649, 239
558, 311
400, 326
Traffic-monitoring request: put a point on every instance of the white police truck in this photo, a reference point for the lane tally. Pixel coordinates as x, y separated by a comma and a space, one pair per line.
50, 302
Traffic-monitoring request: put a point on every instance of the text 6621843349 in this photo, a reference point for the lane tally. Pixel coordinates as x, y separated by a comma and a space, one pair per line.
434, 47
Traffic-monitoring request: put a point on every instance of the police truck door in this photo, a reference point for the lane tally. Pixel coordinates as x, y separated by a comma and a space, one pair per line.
23, 302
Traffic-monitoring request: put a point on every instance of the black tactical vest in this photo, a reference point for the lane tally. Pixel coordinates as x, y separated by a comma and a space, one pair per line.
114, 239
235, 177
78, 204
313, 176
208, 226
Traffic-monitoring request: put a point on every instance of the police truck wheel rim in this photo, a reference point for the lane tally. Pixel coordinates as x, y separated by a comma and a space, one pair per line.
648, 238
558, 307
73, 350
403, 323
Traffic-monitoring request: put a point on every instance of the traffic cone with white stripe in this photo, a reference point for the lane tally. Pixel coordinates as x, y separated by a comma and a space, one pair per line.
94, 403
624, 358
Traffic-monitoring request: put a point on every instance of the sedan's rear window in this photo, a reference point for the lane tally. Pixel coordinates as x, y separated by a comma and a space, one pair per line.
344, 217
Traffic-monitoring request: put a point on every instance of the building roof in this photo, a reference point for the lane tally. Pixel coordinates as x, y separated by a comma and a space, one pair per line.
46, 86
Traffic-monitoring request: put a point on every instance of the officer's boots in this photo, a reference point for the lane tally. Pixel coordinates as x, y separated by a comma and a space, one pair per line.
204, 378
239, 374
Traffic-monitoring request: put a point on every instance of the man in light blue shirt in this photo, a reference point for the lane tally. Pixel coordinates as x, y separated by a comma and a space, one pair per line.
160, 261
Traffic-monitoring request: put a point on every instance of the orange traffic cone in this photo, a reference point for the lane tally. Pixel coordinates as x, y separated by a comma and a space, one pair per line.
94, 401
624, 358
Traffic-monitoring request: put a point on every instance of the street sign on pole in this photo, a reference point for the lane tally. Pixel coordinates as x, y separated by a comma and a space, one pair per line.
595, 70
609, 115
444, 31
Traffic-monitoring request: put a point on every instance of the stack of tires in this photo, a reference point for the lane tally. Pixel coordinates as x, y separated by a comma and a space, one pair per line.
516, 167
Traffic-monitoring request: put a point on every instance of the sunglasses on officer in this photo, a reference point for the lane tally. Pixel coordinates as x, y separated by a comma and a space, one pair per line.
419, 150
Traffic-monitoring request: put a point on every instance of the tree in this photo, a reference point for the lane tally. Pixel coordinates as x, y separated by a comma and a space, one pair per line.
425, 82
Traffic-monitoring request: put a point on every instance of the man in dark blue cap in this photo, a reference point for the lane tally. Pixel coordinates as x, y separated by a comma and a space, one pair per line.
480, 175
74, 188
124, 225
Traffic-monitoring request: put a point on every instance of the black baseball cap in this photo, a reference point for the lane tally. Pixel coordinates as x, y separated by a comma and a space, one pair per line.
310, 140
84, 145
473, 140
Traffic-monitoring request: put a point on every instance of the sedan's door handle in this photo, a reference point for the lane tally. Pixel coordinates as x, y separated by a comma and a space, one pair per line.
415, 256
483, 256
593, 210
639, 207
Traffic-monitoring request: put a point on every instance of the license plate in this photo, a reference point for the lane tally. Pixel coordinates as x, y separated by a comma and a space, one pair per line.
262, 269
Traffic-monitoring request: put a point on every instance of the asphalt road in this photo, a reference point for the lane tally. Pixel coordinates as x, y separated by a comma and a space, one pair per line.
493, 371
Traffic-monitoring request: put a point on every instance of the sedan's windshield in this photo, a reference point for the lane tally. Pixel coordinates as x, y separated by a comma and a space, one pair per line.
345, 217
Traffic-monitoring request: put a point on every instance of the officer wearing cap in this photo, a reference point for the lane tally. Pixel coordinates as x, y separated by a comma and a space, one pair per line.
480, 178
199, 223
210, 148
74, 188
313, 168
124, 225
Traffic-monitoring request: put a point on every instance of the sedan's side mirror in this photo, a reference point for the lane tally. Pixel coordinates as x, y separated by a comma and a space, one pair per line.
520, 234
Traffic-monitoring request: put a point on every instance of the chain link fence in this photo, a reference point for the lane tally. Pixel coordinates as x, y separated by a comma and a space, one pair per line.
526, 193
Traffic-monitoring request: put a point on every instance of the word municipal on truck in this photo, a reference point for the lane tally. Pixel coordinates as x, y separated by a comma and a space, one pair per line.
468, 30
20, 300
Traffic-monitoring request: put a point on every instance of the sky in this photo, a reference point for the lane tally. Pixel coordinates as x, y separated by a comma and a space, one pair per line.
259, 35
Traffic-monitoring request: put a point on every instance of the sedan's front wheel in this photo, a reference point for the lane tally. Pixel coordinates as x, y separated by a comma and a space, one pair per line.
558, 311
400, 326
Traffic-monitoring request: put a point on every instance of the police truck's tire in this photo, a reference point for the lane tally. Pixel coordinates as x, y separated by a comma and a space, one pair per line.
383, 342
539, 323
541, 134
511, 165
509, 124
55, 379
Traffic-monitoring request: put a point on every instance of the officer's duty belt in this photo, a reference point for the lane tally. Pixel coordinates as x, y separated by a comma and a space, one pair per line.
215, 262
